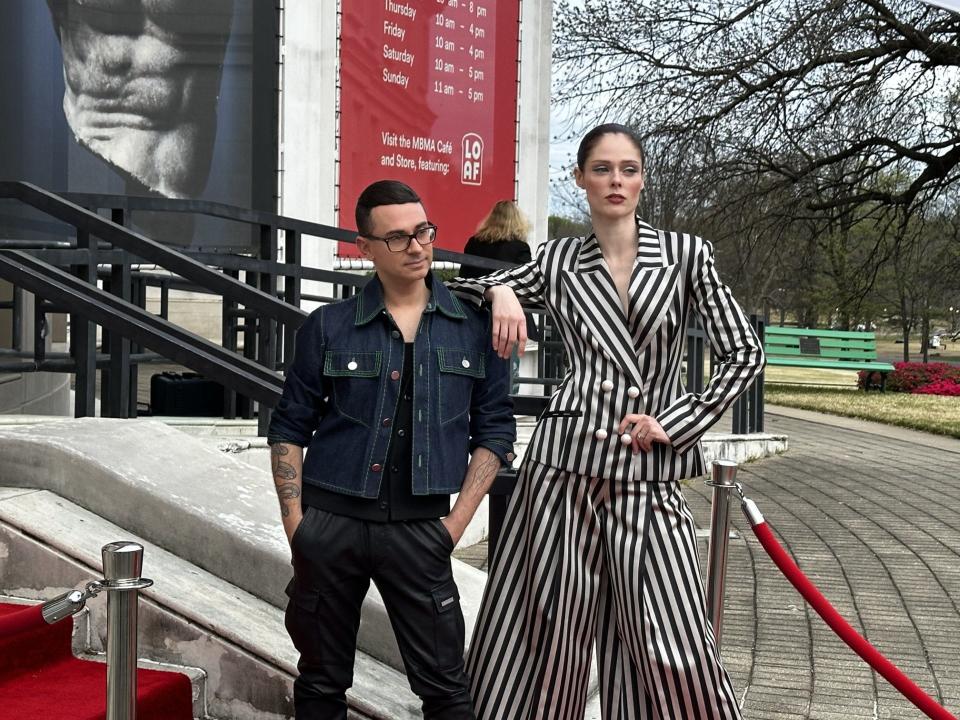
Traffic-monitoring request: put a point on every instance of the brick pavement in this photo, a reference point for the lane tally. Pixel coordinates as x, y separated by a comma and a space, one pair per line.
875, 522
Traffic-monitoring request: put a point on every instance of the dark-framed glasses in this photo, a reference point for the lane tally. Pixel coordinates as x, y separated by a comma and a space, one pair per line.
399, 242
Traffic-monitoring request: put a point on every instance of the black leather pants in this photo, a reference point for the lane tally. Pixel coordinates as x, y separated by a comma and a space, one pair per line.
334, 560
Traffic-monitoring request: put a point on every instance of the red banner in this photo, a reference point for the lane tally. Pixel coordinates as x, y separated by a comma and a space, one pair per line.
428, 96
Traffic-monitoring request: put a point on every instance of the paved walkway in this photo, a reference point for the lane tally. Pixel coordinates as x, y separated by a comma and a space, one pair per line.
872, 515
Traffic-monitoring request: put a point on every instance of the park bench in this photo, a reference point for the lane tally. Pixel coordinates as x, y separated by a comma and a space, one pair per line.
829, 349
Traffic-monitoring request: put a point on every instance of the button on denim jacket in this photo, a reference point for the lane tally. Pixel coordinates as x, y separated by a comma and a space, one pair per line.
341, 393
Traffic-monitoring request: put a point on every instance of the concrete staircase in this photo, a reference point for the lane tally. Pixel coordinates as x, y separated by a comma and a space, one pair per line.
189, 619
85, 644
201, 501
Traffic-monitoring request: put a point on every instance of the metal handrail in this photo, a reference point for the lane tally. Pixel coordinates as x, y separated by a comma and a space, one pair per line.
152, 251
143, 327
255, 217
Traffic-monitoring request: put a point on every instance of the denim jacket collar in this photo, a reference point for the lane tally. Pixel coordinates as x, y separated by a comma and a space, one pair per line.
371, 301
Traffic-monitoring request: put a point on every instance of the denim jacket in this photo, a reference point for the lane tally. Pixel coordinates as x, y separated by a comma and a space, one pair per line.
341, 393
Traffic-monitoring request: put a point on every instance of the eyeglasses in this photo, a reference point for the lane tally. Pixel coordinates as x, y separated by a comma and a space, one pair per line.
399, 242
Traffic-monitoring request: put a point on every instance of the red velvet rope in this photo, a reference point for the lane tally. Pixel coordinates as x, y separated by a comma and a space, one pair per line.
21, 621
841, 627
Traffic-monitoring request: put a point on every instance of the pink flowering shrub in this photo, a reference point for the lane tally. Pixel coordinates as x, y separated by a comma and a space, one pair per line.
940, 387
913, 377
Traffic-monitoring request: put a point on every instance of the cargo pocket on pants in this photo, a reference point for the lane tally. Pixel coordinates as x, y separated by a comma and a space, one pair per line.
448, 626
300, 618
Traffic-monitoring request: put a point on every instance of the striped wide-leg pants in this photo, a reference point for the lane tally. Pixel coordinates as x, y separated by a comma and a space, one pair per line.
586, 561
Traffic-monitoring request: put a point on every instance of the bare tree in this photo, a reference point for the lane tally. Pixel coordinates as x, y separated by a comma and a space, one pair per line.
923, 276
836, 96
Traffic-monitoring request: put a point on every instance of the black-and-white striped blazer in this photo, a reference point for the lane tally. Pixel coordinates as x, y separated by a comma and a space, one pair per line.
621, 365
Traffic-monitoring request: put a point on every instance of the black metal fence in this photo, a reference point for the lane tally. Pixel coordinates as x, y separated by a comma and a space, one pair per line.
99, 277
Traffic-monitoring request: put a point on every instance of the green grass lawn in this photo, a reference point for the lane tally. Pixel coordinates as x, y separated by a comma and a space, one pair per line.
835, 392
930, 413
811, 376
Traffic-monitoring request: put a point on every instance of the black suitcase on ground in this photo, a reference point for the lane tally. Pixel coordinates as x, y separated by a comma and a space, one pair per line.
185, 394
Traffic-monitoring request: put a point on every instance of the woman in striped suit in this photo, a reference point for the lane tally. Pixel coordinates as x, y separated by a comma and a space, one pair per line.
599, 545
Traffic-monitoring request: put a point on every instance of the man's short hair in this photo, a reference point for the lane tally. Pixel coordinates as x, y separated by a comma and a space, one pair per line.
382, 192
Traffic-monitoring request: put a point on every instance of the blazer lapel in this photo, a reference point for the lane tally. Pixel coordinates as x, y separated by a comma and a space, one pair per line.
649, 247
653, 287
652, 291
594, 296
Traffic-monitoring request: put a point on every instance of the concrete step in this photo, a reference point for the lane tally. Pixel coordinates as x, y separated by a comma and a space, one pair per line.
217, 514
85, 646
189, 618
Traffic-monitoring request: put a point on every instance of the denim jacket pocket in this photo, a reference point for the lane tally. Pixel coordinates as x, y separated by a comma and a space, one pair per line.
459, 369
354, 376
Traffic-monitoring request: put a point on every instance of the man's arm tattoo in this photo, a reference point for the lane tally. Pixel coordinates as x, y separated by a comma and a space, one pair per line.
484, 470
287, 491
283, 471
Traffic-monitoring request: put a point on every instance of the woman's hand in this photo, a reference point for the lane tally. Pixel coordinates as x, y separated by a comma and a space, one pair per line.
509, 323
644, 432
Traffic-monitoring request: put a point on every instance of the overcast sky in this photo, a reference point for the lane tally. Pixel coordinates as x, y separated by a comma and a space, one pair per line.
563, 154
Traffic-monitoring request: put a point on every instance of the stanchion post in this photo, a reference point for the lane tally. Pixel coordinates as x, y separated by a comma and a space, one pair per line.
122, 565
722, 481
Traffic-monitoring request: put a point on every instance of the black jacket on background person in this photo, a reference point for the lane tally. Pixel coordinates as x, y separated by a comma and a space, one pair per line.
515, 251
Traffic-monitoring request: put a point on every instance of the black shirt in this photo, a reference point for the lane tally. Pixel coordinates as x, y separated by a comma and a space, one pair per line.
396, 500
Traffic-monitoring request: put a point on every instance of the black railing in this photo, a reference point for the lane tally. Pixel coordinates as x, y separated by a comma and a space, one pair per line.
748, 408
270, 340
262, 309
130, 322
101, 243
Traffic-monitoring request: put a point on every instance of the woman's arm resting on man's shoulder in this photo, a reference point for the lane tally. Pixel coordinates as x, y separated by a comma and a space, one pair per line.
505, 290
509, 323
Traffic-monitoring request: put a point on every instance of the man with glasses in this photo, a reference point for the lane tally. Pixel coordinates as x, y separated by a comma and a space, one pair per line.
390, 392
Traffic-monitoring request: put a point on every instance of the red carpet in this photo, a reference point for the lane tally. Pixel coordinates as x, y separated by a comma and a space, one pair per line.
41, 680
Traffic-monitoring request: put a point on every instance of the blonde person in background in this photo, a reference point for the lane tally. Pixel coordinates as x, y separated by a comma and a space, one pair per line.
502, 235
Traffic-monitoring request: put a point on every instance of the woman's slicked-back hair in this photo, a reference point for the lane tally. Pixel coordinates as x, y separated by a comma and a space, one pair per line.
505, 222
593, 137
382, 192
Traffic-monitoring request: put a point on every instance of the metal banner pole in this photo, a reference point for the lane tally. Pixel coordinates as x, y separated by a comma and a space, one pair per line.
122, 564
723, 481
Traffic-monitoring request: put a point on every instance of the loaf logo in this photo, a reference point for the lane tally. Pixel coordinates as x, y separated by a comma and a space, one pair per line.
472, 173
